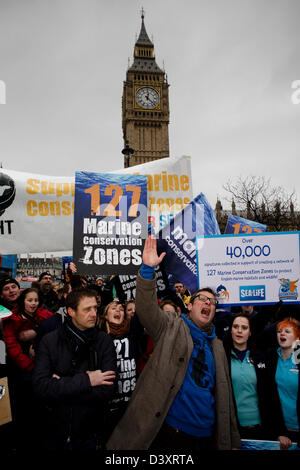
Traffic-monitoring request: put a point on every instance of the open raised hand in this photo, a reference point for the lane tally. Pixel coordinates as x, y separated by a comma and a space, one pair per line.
150, 256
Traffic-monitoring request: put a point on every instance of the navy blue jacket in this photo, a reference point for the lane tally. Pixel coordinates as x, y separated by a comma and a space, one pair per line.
74, 407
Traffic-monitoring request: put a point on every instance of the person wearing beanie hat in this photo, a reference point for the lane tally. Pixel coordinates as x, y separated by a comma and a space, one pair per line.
9, 292
46, 273
48, 296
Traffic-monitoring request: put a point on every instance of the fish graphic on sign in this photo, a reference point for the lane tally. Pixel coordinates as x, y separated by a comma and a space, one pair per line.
222, 292
288, 289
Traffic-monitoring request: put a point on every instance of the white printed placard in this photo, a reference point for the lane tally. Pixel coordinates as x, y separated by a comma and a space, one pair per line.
255, 269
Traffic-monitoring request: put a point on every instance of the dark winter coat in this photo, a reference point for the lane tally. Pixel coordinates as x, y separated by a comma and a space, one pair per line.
74, 407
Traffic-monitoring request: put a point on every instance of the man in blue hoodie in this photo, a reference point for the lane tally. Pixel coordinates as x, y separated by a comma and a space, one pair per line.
183, 398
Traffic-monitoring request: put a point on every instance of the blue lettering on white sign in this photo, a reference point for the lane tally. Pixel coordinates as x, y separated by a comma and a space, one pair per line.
251, 293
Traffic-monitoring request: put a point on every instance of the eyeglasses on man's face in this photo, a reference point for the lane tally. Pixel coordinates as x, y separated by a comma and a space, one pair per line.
204, 298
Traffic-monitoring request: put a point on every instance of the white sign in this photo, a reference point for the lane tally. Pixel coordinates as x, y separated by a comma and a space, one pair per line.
250, 269
36, 211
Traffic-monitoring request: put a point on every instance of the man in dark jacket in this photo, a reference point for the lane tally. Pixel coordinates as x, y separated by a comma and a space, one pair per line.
48, 296
74, 377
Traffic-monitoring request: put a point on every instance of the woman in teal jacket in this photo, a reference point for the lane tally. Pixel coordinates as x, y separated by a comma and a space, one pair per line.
248, 377
284, 382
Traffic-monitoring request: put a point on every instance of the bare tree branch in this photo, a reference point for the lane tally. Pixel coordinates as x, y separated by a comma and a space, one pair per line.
263, 202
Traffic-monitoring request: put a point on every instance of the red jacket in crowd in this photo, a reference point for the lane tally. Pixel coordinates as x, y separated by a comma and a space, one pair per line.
13, 326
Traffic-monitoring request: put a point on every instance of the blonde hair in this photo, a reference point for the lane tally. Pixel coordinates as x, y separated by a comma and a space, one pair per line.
102, 318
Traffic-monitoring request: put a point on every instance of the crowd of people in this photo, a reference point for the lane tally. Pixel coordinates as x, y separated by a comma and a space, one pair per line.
88, 372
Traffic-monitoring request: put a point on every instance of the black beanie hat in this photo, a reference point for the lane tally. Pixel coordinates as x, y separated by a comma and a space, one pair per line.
8, 280
46, 273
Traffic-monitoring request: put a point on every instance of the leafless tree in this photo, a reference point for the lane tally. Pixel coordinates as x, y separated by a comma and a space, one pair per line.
264, 203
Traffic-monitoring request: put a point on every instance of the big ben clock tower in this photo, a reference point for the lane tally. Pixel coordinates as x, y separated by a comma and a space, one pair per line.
145, 105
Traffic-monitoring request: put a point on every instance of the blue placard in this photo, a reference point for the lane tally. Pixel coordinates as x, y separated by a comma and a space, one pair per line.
178, 240
110, 222
237, 225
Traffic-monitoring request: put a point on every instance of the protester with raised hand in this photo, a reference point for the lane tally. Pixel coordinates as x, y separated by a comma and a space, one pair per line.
183, 398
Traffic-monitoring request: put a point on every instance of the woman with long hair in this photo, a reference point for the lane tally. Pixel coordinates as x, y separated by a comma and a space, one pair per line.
19, 333
20, 329
247, 370
125, 331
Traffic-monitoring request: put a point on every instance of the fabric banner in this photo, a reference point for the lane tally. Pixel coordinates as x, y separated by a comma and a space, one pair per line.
257, 269
36, 211
178, 240
237, 225
110, 223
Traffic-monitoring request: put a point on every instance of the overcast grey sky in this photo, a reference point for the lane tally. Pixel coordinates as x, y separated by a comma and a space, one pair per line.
230, 65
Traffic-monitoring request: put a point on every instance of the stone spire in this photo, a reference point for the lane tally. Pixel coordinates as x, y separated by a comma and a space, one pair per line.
144, 58
143, 38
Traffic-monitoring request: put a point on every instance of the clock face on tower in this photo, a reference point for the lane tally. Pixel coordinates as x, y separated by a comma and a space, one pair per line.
147, 97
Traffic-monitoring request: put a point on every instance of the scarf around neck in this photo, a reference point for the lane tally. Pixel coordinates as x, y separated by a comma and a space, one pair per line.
82, 343
208, 329
118, 330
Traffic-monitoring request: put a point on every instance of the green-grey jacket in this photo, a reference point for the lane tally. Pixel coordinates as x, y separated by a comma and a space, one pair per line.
162, 378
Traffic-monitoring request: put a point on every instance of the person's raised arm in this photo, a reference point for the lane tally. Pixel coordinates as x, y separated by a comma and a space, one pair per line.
150, 256
147, 309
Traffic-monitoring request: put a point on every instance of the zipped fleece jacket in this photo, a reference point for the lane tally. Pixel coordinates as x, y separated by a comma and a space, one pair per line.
162, 378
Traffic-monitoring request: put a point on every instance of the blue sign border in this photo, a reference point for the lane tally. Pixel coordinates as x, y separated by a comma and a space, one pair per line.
231, 235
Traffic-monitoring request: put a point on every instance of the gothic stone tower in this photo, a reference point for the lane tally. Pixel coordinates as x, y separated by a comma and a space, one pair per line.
145, 105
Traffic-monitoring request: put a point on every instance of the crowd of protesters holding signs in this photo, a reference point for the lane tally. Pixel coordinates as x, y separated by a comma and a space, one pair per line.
162, 368
88, 372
